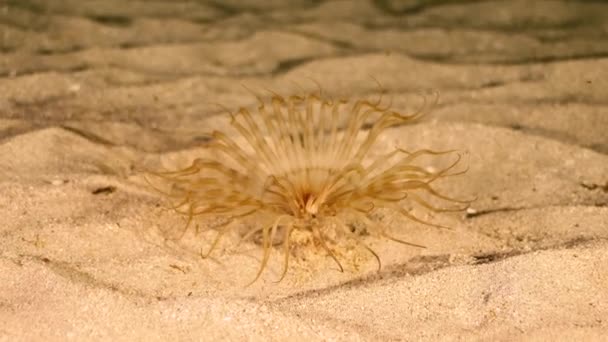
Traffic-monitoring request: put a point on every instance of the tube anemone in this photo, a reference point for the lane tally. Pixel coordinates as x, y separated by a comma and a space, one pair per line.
303, 163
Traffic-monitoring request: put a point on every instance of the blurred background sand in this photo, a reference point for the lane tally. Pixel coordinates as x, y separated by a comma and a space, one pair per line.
93, 91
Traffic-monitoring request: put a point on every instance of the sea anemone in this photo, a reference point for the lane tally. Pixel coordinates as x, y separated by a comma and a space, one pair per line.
302, 163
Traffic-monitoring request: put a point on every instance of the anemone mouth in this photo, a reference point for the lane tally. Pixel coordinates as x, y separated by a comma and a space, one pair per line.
302, 162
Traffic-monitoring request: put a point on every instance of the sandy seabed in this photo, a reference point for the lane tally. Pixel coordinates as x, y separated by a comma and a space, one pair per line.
90, 94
